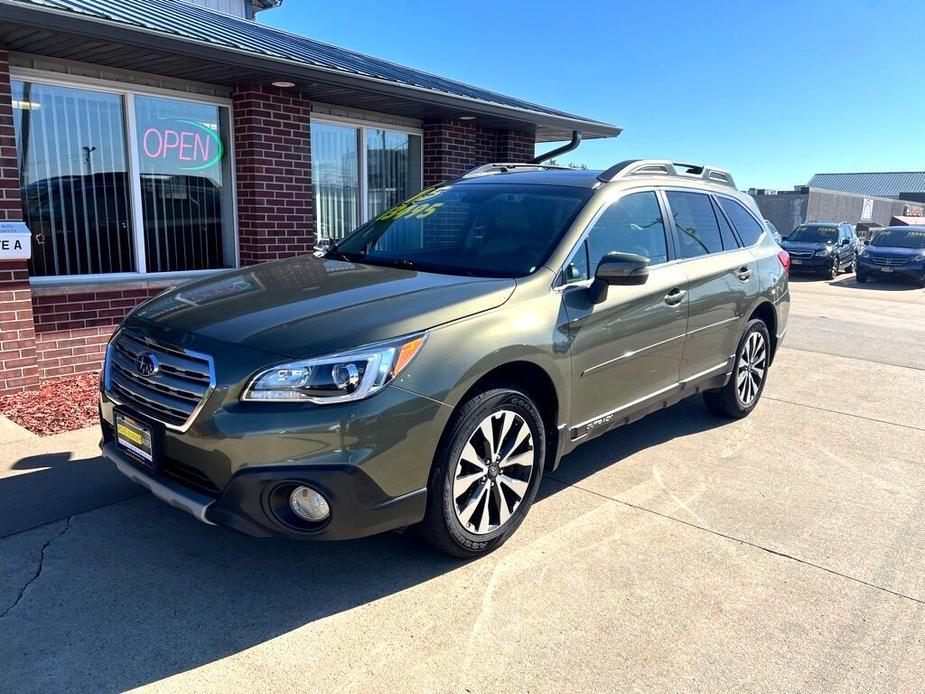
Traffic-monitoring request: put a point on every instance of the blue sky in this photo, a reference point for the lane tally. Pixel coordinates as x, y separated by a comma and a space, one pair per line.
774, 91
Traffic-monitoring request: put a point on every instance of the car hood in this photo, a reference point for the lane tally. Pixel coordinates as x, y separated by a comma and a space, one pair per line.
305, 305
803, 246
894, 251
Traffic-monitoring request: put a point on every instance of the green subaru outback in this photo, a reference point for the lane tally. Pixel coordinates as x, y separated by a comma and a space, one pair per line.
428, 368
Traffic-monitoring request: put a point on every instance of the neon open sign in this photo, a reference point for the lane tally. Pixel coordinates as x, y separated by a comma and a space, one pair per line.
189, 144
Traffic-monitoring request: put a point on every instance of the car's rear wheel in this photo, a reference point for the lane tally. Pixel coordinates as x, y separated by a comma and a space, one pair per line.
486, 474
741, 393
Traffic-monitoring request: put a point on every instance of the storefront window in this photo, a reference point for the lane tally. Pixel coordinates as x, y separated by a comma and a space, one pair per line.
74, 175
184, 192
393, 162
352, 185
91, 213
335, 179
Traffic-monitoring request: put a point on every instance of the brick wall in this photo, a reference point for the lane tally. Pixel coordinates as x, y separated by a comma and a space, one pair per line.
273, 167
453, 147
71, 330
18, 371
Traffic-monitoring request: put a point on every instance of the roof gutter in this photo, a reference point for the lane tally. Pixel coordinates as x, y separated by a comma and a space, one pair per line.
141, 37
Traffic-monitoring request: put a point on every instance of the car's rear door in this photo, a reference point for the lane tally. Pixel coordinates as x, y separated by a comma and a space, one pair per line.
627, 348
722, 280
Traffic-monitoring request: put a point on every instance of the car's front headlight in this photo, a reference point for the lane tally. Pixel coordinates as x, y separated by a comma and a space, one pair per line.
824, 251
336, 378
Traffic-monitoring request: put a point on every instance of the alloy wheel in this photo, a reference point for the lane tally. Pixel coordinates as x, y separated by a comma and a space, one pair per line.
751, 368
493, 472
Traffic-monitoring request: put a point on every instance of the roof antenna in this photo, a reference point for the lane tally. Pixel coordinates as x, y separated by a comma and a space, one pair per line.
576, 140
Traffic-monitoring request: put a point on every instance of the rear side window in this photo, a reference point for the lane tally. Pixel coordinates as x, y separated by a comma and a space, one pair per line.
633, 224
748, 227
729, 239
698, 230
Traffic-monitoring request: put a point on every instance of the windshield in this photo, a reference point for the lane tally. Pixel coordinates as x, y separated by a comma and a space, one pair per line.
814, 234
482, 229
900, 238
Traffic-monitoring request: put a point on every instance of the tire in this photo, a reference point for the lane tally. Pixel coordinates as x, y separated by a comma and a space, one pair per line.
465, 518
832, 272
853, 266
730, 400
861, 277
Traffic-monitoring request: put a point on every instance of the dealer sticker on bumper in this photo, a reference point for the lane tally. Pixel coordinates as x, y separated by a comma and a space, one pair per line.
134, 437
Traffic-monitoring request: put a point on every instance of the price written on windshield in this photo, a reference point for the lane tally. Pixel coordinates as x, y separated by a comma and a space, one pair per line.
418, 211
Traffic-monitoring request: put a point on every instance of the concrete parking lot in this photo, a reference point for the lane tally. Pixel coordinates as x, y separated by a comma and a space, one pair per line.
683, 553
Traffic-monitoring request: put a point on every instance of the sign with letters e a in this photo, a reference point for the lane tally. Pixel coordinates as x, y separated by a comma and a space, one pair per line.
15, 241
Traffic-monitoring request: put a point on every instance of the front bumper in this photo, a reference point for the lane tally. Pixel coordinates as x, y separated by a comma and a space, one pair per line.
237, 462
914, 271
816, 263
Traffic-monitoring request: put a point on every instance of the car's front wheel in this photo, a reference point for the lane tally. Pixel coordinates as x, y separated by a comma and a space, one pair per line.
741, 393
486, 474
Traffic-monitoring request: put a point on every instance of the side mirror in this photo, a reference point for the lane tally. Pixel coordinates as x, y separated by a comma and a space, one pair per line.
866, 242
322, 245
620, 269
845, 242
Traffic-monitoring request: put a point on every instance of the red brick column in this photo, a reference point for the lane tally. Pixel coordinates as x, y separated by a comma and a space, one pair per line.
453, 147
272, 143
18, 370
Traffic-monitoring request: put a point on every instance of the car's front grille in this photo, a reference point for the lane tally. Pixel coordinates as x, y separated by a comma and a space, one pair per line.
171, 394
800, 254
886, 260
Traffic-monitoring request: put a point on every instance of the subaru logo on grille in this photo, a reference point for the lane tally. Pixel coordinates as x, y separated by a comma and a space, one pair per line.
147, 364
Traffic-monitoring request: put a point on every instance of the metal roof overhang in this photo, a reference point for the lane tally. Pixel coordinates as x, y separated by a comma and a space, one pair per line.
67, 36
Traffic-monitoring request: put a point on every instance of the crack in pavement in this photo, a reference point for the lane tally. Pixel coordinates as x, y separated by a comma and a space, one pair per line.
846, 414
732, 538
38, 569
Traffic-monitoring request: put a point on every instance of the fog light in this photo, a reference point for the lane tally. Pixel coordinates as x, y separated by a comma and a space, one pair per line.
308, 504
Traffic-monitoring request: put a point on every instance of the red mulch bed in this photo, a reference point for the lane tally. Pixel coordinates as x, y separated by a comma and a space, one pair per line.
61, 405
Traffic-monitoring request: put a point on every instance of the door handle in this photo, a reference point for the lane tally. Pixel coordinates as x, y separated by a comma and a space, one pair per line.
675, 296
743, 273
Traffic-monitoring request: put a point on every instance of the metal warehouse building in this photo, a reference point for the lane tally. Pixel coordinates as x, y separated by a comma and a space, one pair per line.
866, 200
147, 141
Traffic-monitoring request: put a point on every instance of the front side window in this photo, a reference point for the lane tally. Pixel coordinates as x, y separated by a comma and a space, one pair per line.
478, 229
749, 228
360, 172
73, 149
633, 224
73, 168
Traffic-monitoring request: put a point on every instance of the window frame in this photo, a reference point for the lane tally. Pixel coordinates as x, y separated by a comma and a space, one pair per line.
362, 126
127, 93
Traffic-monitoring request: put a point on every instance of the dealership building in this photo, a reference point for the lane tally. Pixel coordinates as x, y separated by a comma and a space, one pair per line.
144, 142
867, 200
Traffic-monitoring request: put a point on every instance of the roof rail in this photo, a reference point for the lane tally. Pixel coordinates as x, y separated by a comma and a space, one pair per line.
663, 167
488, 169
